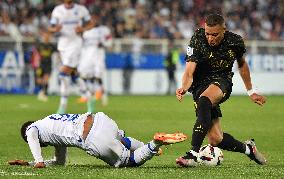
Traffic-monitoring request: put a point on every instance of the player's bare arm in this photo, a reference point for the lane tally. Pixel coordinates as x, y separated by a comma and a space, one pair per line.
87, 26
245, 75
55, 28
187, 79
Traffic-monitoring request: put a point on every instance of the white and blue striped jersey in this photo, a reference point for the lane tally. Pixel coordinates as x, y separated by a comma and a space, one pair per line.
57, 130
61, 129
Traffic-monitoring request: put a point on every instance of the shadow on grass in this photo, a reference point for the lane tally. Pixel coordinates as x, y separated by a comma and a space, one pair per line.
143, 167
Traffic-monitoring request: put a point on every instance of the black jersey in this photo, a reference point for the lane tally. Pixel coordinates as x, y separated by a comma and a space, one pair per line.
214, 62
45, 51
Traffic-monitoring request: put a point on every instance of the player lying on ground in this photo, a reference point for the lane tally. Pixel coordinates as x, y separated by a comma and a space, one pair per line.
97, 134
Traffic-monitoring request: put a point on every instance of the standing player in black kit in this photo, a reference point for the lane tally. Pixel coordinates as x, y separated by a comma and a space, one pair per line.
208, 76
45, 49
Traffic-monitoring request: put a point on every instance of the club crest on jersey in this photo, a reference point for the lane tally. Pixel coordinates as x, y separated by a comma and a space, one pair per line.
189, 51
231, 53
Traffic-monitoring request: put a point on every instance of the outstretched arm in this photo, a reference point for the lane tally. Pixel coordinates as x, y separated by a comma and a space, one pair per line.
187, 79
245, 74
34, 144
59, 159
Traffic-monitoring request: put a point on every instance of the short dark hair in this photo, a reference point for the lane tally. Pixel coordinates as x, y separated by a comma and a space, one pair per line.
24, 128
214, 19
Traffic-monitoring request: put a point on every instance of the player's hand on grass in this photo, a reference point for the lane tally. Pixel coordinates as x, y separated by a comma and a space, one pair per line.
258, 99
39, 165
179, 93
18, 162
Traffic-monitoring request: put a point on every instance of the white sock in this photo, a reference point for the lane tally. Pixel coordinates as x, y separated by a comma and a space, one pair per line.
105, 98
64, 84
247, 152
154, 146
83, 87
90, 87
132, 144
142, 154
63, 102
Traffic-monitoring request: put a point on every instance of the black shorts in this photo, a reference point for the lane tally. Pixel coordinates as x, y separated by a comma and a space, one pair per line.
45, 68
226, 87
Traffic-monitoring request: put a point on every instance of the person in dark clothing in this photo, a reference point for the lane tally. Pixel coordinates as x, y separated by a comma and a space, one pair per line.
127, 73
45, 50
208, 76
170, 62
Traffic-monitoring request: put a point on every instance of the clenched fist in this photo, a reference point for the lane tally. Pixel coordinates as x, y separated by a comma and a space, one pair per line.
179, 93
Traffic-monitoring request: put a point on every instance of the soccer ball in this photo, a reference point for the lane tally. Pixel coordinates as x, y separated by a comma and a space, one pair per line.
210, 156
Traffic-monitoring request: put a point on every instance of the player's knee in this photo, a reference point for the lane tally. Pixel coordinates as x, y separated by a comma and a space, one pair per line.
67, 70
214, 139
63, 74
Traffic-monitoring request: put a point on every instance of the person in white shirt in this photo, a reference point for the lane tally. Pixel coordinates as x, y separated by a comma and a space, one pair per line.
70, 20
92, 66
97, 134
105, 42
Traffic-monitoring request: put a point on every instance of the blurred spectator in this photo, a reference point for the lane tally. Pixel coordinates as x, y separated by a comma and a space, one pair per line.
4, 23
253, 19
29, 26
186, 26
132, 59
170, 63
127, 74
9, 27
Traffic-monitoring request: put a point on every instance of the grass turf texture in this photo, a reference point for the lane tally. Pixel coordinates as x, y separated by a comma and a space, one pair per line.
141, 117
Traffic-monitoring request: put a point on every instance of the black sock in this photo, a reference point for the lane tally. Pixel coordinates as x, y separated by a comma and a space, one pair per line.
231, 144
45, 86
202, 123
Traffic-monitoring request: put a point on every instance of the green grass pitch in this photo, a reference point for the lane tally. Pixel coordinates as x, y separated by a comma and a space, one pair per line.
141, 117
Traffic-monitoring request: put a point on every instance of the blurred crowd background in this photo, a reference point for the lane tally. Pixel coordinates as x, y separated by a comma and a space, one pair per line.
154, 19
